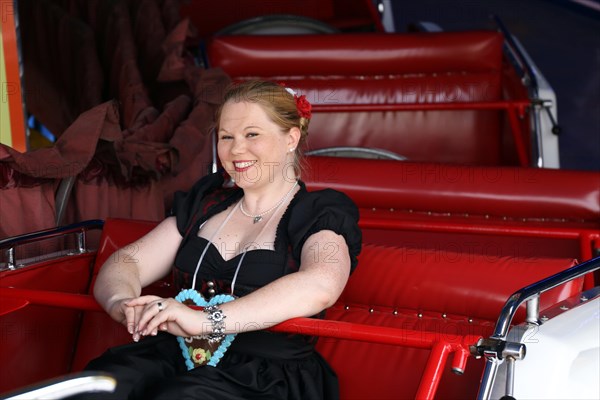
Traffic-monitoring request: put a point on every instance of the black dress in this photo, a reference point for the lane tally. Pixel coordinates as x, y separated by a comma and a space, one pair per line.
258, 364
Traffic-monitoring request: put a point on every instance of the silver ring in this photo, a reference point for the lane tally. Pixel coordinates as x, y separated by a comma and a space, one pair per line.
160, 306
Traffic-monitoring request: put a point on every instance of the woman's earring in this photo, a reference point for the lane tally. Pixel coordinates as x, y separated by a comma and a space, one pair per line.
292, 149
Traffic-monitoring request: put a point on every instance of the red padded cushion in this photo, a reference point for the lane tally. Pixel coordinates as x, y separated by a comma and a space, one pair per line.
356, 54
447, 67
446, 136
449, 294
447, 282
495, 191
116, 234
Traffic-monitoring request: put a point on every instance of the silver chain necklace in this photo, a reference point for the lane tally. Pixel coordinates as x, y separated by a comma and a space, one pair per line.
258, 217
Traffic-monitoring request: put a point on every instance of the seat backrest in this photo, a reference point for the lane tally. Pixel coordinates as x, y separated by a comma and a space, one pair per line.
507, 193
378, 69
440, 292
117, 234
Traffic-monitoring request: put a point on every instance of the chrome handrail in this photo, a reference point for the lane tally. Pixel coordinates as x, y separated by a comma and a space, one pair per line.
519, 56
533, 291
530, 81
80, 228
495, 348
67, 386
365, 152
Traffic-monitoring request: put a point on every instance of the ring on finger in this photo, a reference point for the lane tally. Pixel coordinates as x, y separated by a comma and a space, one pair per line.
161, 306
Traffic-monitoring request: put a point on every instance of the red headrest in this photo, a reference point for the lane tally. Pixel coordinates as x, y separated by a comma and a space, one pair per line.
497, 191
356, 54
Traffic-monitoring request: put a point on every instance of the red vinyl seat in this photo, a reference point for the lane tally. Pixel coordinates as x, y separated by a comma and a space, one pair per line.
441, 292
415, 289
379, 69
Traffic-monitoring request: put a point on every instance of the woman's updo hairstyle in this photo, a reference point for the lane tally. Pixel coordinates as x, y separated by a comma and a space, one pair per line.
278, 103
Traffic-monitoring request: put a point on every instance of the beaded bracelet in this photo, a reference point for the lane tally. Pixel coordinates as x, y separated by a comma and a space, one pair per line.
217, 318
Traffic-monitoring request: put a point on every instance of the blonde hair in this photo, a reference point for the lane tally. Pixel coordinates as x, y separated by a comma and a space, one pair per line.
278, 104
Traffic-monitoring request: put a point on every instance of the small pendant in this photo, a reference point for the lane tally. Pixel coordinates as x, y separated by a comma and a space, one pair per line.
258, 218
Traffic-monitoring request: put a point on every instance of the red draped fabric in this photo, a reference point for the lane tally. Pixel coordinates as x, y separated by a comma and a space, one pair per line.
132, 112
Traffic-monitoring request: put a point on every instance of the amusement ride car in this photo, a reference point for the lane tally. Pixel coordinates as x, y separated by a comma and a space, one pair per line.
479, 275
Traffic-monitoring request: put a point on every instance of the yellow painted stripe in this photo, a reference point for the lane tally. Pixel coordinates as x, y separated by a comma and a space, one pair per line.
10, 87
5, 132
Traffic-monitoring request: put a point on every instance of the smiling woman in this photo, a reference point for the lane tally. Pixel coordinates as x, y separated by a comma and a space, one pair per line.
253, 255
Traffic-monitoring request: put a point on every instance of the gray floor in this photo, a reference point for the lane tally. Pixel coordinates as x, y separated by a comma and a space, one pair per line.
562, 40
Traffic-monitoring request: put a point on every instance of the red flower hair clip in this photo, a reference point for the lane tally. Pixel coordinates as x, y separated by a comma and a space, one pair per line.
302, 105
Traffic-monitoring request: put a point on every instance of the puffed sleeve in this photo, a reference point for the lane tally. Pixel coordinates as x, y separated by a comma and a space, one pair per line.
325, 210
187, 205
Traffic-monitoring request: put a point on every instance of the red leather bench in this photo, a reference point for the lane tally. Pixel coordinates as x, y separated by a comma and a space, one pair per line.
438, 212
434, 234
436, 238
450, 69
446, 294
421, 291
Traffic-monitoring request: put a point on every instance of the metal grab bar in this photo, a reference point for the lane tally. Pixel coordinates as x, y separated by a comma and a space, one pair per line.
63, 387
518, 54
532, 83
532, 292
495, 348
80, 228
50, 233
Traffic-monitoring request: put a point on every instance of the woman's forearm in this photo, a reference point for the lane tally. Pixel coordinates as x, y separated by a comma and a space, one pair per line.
116, 281
288, 297
137, 265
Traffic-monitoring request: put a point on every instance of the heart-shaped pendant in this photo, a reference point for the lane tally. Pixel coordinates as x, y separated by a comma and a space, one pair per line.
199, 350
